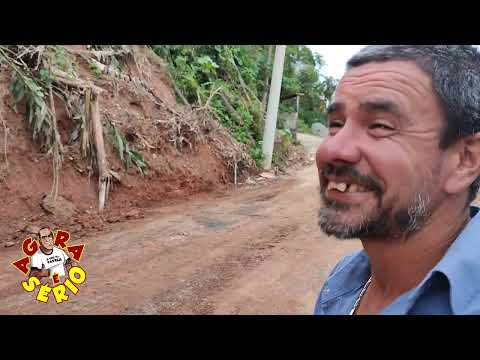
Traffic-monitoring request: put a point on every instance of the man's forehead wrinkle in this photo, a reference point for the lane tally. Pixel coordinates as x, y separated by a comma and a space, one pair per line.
376, 97
394, 95
390, 85
388, 77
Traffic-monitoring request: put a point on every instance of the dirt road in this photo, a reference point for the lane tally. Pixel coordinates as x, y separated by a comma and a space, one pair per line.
257, 250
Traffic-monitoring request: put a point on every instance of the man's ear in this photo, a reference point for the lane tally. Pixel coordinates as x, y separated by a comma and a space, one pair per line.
465, 165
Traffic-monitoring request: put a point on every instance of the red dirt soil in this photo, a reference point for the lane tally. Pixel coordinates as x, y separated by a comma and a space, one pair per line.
171, 176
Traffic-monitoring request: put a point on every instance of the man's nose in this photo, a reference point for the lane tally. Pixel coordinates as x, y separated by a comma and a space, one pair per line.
341, 147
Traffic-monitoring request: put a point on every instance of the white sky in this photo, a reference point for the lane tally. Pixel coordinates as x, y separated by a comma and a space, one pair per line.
336, 57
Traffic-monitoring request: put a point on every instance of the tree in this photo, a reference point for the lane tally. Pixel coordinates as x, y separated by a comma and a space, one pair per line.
233, 80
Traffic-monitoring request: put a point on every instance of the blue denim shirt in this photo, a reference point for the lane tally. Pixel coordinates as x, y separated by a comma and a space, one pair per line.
452, 287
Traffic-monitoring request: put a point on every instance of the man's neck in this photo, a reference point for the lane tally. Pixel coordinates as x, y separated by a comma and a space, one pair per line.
399, 265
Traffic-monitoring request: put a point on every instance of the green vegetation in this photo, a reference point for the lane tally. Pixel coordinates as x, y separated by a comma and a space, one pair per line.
230, 82
44, 74
128, 156
233, 81
304, 128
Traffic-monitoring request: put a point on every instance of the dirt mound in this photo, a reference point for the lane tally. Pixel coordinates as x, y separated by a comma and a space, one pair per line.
186, 151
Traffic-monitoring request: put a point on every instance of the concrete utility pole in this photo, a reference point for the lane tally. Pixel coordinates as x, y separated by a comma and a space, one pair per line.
272, 109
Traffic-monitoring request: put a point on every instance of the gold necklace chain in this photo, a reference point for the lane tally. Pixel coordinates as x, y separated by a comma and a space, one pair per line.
365, 287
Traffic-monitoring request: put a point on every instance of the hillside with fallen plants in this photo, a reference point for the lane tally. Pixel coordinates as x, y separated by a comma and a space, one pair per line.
233, 82
91, 135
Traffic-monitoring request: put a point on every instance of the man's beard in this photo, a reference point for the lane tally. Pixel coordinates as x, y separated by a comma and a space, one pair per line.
378, 222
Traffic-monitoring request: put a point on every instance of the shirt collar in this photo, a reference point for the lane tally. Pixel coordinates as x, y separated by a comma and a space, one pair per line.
350, 274
460, 264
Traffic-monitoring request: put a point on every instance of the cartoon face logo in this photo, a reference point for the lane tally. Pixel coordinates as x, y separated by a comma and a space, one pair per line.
46, 238
48, 260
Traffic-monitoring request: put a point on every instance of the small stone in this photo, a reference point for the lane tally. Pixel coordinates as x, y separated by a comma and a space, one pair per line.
133, 214
267, 175
9, 244
60, 206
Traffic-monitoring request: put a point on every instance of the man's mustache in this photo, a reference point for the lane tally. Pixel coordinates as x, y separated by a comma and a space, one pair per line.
351, 175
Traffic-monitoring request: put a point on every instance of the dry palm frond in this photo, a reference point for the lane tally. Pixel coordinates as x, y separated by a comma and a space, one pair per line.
57, 150
45, 71
6, 131
26, 87
40, 115
127, 156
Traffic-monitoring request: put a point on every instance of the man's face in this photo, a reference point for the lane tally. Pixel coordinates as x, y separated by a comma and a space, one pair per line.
381, 167
46, 238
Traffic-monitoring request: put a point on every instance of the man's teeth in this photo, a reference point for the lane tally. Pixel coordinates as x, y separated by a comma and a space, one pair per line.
337, 186
344, 187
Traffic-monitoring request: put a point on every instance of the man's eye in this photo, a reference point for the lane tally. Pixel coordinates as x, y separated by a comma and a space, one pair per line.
335, 124
381, 126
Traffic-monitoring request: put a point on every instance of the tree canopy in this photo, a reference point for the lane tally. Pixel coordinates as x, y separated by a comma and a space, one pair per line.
234, 80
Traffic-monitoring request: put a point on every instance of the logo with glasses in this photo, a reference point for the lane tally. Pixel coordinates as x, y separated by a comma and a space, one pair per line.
51, 266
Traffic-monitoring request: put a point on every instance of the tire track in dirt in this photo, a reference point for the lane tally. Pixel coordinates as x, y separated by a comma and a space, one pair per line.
194, 296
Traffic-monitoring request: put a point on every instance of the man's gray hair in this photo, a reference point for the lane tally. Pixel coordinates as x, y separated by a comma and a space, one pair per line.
455, 74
